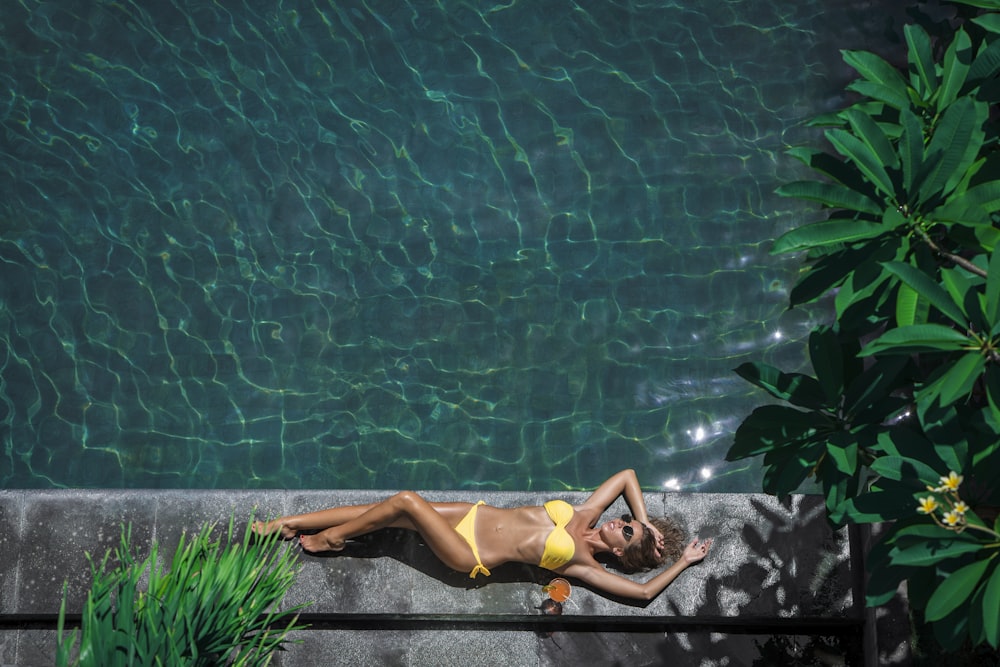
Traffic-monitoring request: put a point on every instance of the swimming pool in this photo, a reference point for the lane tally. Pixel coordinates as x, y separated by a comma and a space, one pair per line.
386, 244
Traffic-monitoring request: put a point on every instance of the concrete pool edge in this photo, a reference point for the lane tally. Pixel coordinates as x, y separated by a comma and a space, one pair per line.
775, 565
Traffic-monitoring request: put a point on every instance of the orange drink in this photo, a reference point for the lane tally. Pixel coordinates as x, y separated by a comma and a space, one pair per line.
558, 589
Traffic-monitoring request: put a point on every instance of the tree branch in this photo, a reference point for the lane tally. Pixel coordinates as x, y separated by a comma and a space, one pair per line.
961, 261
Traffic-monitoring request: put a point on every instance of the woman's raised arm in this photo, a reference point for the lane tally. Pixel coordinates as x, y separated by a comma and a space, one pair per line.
609, 582
624, 483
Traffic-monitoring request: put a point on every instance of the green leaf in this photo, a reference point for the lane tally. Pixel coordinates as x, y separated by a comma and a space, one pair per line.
916, 338
931, 551
871, 387
866, 129
991, 609
972, 206
953, 148
864, 158
993, 393
992, 298
883, 505
958, 381
770, 427
928, 289
798, 389
827, 360
833, 195
904, 469
954, 590
787, 468
906, 305
985, 4
826, 233
884, 583
895, 97
957, 60
844, 458
832, 166
987, 62
876, 70
921, 58
988, 237
989, 22
911, 151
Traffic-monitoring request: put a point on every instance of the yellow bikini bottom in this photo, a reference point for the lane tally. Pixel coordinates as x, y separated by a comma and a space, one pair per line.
467, 529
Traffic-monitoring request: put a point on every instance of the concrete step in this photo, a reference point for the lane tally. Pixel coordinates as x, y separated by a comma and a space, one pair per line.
776, 569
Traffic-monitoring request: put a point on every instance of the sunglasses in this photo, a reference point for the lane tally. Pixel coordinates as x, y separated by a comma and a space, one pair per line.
627, 530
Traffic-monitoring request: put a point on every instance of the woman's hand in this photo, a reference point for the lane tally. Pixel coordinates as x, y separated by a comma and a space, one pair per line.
658, 536
694, 552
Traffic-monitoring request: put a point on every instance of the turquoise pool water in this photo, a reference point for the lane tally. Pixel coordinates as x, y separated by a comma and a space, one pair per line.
384, 244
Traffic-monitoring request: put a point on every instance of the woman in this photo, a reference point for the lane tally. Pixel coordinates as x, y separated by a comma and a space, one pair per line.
556, 536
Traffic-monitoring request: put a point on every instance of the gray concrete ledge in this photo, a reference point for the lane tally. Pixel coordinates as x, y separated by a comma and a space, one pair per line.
774, 564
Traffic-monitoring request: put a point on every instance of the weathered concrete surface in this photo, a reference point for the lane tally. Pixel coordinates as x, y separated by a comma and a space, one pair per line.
772, 562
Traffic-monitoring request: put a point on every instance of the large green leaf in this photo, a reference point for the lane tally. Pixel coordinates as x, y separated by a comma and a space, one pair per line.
953, 148
991, 609
928, 289
985, 4
834, 167
797, 389
895, 97
904, 469
906, 305
960, 378
875, 69
826, 233
920, 532
833, 195
921, 59
883, 505
862, 155
786, 469
972, 206
917, 338
828, 362
931, 551
911, 151
993, 394
943, 427
868, 131
870, 389
957, 60
991, 305
844, 457
831, 268
955, 590
987, 62
771, 427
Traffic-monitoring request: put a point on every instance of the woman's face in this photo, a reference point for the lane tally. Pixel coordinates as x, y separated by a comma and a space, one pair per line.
614, 532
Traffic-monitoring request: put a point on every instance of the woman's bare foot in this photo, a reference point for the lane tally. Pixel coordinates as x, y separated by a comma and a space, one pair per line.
320, 542
268, 527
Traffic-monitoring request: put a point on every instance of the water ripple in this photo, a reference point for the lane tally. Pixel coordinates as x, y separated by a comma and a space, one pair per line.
395, 244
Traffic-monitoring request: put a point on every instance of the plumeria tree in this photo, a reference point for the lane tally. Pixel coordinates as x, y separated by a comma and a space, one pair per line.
900, 421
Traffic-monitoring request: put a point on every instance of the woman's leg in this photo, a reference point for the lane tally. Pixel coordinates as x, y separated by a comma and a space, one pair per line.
290, 526
403, 510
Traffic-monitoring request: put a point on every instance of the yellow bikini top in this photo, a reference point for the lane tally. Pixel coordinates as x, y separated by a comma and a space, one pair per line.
559, 546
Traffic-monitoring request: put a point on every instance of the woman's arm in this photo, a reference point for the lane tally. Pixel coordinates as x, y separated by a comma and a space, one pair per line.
624, 483
599, 578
